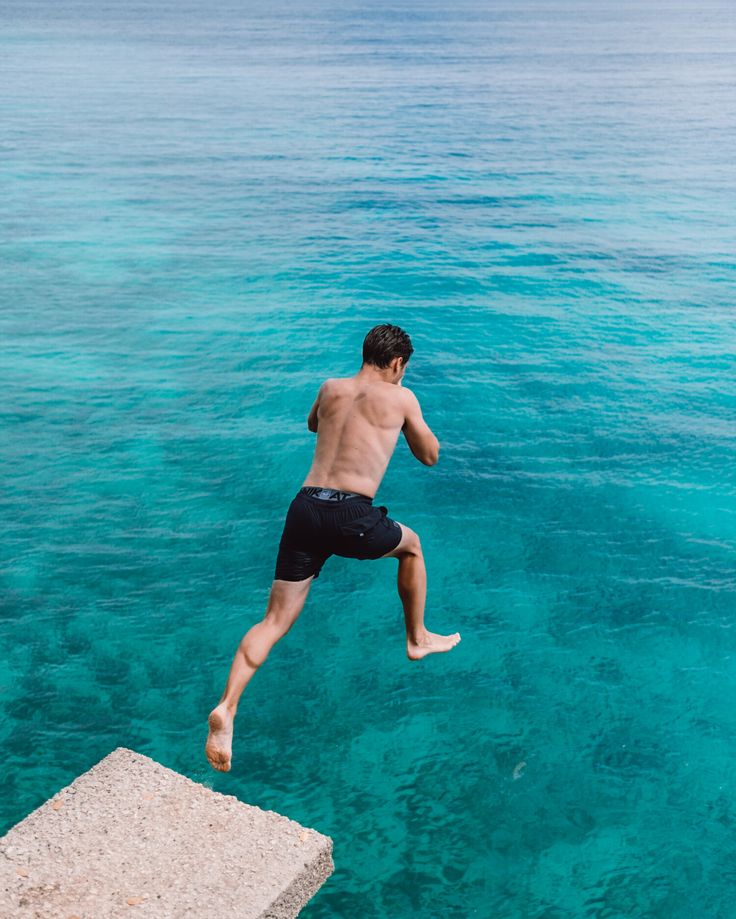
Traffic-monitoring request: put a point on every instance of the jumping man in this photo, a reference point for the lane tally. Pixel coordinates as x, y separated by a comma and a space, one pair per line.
357, 421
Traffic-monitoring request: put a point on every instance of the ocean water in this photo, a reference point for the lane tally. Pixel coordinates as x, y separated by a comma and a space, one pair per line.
205, 208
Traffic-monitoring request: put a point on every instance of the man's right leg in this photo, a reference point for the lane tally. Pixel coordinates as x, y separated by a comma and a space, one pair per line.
285, 602
412, 584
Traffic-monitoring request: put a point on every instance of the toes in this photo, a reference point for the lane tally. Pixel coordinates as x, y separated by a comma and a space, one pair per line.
218, 759
221, 764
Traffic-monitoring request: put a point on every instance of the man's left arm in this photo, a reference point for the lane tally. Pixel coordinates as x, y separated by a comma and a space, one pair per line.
312, 419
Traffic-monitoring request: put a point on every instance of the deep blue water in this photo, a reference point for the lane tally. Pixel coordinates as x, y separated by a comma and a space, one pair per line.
205, 207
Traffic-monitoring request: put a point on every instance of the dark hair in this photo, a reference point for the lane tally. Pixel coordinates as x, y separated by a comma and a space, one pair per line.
385, 342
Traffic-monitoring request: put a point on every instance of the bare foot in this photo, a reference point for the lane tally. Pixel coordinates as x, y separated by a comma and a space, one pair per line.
430, 644
218, 748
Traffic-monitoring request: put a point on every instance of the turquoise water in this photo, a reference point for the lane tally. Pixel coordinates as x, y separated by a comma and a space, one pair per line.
205, 208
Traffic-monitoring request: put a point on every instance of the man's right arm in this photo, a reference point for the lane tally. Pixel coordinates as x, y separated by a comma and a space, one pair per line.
422, 442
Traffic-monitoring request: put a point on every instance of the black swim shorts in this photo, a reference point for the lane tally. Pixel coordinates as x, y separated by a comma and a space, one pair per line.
322, 522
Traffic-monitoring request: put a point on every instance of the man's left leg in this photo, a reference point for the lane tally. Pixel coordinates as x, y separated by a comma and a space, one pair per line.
284, 605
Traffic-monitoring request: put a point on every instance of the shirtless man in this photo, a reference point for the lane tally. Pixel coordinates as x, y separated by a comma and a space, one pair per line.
357, 421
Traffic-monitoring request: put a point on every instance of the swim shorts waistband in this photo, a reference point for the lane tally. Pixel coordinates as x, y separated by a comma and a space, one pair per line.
330, 494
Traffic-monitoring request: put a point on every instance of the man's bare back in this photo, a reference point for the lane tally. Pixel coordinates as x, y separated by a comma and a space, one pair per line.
358, 420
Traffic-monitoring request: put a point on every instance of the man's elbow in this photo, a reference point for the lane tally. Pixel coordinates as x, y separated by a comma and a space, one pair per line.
432, 456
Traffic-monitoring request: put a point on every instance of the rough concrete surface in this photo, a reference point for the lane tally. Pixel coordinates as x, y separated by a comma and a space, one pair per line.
131, 838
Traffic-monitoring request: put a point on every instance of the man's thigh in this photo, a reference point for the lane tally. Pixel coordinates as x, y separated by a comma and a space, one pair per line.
286, 601
371, 535
301, 553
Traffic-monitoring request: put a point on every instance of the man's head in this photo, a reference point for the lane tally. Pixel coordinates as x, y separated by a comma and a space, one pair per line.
387, 347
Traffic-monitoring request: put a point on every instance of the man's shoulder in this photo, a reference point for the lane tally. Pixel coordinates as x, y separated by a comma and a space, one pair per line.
399, 395
409, 395
333, 386
400, 398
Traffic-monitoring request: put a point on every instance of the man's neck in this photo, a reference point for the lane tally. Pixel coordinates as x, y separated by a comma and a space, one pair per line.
369, 373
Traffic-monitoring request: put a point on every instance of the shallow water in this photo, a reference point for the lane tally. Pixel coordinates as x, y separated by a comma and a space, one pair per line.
205, 209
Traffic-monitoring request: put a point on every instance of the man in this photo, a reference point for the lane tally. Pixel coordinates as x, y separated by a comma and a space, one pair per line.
357, 421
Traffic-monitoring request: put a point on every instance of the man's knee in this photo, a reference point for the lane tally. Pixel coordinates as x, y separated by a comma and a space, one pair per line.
286, 603
410, 543
416, 546
281, 619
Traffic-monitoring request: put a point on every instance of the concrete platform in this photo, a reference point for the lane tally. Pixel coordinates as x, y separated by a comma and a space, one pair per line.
131, 838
